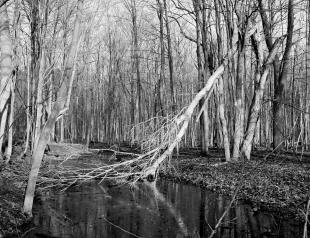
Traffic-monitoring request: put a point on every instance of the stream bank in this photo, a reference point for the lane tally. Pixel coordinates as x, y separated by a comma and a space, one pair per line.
274, 183
270, 182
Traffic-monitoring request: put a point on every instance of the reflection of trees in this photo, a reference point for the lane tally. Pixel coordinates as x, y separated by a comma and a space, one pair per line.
166, 209
177, 216
73, 214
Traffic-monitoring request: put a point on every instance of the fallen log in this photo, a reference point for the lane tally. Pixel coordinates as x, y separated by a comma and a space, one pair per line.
184, 119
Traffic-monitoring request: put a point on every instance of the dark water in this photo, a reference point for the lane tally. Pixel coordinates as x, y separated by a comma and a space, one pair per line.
168, 209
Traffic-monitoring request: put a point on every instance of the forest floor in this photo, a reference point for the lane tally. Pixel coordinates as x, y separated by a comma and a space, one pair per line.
278, 183
271, 182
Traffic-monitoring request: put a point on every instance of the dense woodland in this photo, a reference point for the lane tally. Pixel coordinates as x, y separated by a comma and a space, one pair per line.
164, 73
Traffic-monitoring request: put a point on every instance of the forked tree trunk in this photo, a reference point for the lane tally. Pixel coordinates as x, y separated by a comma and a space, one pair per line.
261, 78
60, 106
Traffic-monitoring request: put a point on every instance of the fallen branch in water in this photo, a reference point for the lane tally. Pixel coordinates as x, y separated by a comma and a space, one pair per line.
225, 212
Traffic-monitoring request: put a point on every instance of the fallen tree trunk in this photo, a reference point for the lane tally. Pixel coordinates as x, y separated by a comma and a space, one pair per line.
150, 172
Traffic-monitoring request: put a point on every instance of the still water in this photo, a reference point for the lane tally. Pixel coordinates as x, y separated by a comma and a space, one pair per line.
164, 209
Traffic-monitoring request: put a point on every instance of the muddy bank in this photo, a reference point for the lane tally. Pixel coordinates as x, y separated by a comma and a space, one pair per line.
272, 182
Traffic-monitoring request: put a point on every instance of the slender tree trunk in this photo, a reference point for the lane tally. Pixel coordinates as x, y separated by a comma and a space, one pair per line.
158, 101
11, 122
136, 57
3, 126
170, 58
39, 103
28, 127
206, 73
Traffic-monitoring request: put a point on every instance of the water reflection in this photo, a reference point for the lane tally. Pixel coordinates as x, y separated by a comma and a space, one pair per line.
166, 210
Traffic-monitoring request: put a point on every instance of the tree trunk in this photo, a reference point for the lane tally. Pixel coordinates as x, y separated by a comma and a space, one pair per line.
6, 69
239, 105
39, 103
280, 70
221, 108
136, 57
60, 106
10, 125
170, 58
28, 127
158, 101
201, 37
37, 158
260, 81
